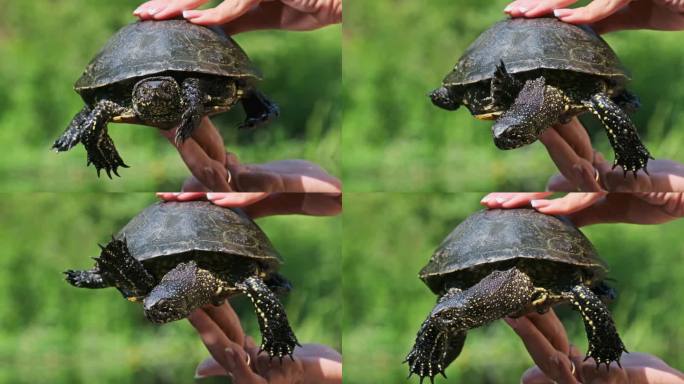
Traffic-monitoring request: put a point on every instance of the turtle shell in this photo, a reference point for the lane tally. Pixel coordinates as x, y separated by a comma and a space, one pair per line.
539, 43
147, 48
497, 235
173, 228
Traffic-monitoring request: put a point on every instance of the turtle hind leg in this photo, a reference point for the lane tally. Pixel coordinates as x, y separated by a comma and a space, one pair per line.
86, 279
258, 109
605, 345
125, 272
278, 340
630, 152
503, 87
101, 150
193, 109
72, 135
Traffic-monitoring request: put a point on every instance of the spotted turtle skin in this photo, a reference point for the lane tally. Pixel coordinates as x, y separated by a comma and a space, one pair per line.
176, 257
166, 74
500, 263
530, 74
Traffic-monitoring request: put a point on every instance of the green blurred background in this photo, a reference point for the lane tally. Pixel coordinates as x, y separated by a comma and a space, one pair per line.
51, 332
46, 44
394, 139
389, 237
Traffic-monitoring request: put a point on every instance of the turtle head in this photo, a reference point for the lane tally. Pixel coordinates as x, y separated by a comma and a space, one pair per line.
444, 98
182, 290
157, 100
513, 131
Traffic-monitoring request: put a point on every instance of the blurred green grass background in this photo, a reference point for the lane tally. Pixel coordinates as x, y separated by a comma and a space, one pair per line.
394, 139
51, 332
46, 44
389, 237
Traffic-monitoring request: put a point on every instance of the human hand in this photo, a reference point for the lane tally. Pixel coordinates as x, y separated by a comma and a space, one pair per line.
238, 16
559, 362
235, 355
594, 208
607, 15
260, 204
205, 156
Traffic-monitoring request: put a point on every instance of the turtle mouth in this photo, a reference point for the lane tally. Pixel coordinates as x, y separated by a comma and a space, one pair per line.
164, 312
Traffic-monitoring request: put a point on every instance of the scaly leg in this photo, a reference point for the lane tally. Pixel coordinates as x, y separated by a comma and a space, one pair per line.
193, 105
258, 109
72, 135
126, 273
100, 147
278, 340
86, 279
605, 345
499, 294
630, 152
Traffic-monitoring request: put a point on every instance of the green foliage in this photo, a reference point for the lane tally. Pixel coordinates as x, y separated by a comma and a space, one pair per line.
395, 52
389, 237
45, 45
54, 333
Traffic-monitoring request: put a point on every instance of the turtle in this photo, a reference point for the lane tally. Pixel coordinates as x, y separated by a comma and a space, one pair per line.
510, 262
174, 257
529, 74
164, 74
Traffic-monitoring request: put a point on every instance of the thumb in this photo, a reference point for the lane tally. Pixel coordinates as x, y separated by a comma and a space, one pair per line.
208, 368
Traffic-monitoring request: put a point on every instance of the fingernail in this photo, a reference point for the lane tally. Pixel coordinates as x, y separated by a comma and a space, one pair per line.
501, 200
561, 12
230, 358
508, 8
484, 200
539, 203
189, 14
212, 196
137, 11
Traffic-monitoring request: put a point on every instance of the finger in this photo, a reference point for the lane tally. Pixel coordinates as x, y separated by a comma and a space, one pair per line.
209, 172
223, 13
236, 199
209, 367
226, 318
518, 8
211, 334
147, 10
276, 15
546, 7
176, 8
534, 375
552, 328
562, 155
576, 136
591, 13
523, 199
555, 364
191, 196
242, 373
495, 200
167, 196
211, 141
568, 204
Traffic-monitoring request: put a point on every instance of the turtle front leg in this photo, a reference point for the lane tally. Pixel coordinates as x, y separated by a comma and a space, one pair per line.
277, 337
183, 289
605, 345
499, 294
630, 152
192, 98
72, 135
101, 150
537, 107
259, 110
